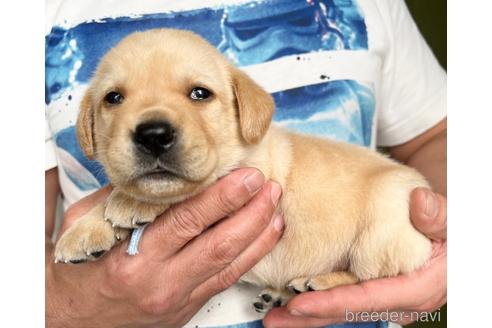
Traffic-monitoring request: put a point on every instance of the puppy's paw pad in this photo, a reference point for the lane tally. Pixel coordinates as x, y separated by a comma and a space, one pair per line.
97, 254
266, 297
267, 300
259, 306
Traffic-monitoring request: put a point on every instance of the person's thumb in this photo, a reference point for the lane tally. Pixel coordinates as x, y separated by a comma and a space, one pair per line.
428, 213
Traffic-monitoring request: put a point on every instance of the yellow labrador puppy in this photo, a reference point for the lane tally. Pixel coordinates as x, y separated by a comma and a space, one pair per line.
167, 115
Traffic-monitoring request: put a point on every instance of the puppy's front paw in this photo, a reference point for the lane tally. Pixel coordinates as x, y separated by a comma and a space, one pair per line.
88, 238
270, 298
125, 212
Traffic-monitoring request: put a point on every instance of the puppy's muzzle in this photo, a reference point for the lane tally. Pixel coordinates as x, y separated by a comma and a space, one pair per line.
155, 138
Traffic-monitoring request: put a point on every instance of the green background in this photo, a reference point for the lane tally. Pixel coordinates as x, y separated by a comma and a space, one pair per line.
430, 16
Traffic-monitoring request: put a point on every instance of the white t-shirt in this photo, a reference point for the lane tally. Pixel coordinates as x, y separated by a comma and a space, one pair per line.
351, 70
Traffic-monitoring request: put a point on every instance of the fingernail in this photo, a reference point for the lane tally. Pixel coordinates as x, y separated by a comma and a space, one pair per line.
275, 193
254, 181
431, 204
278, 223
295, 313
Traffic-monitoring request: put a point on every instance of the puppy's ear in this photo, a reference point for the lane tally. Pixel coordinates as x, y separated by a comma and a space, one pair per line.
255, 107
85, 123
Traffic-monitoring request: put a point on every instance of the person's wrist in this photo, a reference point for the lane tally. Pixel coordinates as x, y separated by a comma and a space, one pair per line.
68, 295
55, 311
53, 314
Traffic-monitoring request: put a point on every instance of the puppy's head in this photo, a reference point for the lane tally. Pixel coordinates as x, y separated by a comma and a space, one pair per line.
166, 114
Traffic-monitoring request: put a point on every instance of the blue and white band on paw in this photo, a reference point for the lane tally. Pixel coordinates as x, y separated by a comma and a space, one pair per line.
134, 240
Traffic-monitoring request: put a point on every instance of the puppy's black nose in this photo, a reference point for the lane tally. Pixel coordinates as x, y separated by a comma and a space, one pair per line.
155, 138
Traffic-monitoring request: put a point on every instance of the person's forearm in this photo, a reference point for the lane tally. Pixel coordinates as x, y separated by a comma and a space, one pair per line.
431, 160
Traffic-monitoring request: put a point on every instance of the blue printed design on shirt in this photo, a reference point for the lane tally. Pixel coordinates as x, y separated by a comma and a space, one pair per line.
268, 30
341, 110
248, 34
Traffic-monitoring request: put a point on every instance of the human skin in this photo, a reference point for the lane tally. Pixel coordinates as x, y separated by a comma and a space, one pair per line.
425, 289
182, 263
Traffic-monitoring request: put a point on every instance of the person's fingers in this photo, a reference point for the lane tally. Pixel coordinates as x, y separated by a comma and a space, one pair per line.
281, 318
78, 209
428, 213
184, 221
220, 246
243, 263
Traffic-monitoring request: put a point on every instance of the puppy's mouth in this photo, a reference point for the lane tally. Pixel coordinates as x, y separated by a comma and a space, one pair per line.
160, 173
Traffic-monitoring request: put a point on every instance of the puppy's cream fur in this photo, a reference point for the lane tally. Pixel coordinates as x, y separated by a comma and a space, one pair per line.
345, 207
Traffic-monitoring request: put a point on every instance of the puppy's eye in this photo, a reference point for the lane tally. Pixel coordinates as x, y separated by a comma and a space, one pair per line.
114, 98
200, 93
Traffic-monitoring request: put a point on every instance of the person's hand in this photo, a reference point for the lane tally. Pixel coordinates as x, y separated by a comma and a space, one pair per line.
183, 260
421, 291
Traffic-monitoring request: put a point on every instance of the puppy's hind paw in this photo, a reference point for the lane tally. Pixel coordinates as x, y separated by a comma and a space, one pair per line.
322, 281
270, 298
298, 285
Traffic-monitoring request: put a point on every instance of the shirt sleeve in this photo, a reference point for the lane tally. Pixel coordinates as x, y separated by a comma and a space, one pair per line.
413, 85
50, 154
